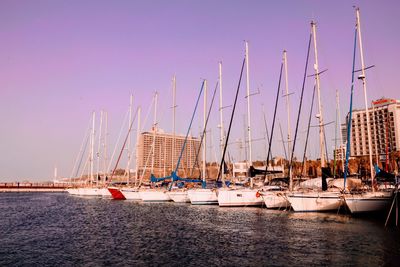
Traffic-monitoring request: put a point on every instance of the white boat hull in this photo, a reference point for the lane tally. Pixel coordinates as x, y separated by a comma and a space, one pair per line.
203, 197
88, 191
104, 193
154, 196
315, 201
275, 200
179, 196
368, 202
131, 193
73, 191
239, 198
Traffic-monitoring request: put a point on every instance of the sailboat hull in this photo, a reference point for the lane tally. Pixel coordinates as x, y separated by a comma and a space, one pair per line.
131, 193
315, 201
104, 193
116, 193
239, 198
275, 200
368, 202
89, 192
73, 191
179, 196
203, 197
154, 196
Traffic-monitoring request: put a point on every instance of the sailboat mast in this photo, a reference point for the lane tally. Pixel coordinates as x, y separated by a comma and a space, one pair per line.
364, 81
320, 116
287, 102
221, 122
99, 147
288, 113
154, 132
127, 171
92, 148
248, 103
173, 121
105, 146
205, 130
137, 147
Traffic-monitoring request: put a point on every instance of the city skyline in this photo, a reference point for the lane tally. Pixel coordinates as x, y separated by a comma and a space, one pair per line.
62, 60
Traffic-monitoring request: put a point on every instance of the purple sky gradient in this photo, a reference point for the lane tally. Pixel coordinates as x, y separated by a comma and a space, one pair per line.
60, 60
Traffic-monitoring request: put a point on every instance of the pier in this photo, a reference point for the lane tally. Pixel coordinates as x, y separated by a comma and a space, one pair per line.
31, 187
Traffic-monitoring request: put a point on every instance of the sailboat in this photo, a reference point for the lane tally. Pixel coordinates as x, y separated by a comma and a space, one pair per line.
372, 200
208, 196
125, 190
131, 192
274, 195
154, 194
317, 200
179, 195
233, 196
92, 189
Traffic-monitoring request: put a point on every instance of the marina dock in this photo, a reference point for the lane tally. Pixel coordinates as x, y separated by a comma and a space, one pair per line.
31, 187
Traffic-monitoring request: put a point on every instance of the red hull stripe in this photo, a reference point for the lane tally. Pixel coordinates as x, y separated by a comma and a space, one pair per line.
116, 193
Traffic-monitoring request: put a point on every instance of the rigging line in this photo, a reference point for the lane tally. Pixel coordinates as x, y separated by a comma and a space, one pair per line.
300, 105
204, 133
326, 149
190, 126
84, 149
123, 146
273, 120
81, 150
118, 139
266, 130
283, 140
148, 113
145, 166
83, 169
230, 122
308, 132
346, 165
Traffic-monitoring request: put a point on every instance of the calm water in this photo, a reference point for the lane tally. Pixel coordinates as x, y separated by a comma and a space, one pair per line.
55, 229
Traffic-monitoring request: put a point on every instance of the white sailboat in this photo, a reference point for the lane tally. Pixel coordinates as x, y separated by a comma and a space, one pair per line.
275, 196
154, 194
239, 197
179, 195
92, 189
370, 201
202, 196
316, 200
207, 196
130, 192
176, 194
234, 197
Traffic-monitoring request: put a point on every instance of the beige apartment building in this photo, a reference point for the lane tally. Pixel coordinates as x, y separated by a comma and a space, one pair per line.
384, 116
167, 149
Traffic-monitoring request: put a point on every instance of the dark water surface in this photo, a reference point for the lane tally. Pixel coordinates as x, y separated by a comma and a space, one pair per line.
56, 229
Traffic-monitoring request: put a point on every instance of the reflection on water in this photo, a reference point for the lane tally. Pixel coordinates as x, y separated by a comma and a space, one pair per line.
57, 229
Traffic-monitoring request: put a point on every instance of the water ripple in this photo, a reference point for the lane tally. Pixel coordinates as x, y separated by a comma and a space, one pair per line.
60, 230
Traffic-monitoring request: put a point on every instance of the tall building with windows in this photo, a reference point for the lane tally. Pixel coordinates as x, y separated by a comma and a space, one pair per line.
167, 149
384, 126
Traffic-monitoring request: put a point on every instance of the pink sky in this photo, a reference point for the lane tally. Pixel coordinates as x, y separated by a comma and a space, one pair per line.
60, 60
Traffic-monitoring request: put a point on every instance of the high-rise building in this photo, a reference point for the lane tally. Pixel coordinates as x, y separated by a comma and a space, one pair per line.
167, 149
384, 126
